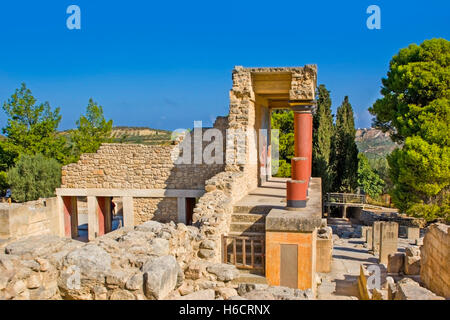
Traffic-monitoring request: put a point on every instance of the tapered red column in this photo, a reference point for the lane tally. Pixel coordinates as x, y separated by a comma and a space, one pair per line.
70, 216
310, 146
297, 187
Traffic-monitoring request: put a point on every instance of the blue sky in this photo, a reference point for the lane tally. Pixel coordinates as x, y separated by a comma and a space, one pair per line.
165, 64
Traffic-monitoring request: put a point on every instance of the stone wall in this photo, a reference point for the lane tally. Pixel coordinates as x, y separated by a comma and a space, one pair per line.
159, 209
19, 220
242, 116
150, 261
135, 166
324, 249
212, 214
368, 217
435, 264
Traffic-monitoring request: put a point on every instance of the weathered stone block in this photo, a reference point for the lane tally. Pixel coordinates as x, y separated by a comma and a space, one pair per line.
408, 289
160, 247
122, 295
91, 259
412, 251
160, 277
395, 262
135, 282
208, 294
369, 238
413, 233
412, 265
206, 253
376, 230
388, 240
391, 287
226, 292
224, 272
195, 270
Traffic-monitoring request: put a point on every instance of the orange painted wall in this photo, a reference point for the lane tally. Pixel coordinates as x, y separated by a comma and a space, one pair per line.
306, 244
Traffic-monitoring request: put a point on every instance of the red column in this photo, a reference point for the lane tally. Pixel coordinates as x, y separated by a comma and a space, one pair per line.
310, 146
104, 215
297, 187
101, 212
67, 201
70, 217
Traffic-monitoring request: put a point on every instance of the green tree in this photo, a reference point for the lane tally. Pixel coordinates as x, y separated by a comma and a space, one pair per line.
322, 134
31, 128
381, 168
34, 177
368, 179
6, 161
283, 120
344, 153
92, 130
415, 108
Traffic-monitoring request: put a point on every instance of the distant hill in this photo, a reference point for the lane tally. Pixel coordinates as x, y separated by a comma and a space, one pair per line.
374, 143
140, 135
143, 135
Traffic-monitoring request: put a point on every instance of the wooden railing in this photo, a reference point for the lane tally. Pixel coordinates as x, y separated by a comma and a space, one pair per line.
346, 198
252, 259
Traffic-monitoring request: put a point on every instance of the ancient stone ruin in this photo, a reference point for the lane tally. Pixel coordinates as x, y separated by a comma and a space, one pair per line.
138, 221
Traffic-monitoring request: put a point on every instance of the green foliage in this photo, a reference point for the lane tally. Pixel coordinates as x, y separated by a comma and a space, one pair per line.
420, 172
92, 130
368, 179
6, 158
431, 212
33, 177
322, 135
416, 109
416, 92
284, 121
3, 183
31, 128
284, 169
381, 168
344, 153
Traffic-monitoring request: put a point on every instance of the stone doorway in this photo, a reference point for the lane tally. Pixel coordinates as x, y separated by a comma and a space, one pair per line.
190, 205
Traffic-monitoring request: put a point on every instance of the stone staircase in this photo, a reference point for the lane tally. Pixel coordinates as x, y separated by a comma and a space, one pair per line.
248, 221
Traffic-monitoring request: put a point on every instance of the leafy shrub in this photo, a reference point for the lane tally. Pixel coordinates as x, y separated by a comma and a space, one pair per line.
284, 169
34, 177
3, 183
431, 212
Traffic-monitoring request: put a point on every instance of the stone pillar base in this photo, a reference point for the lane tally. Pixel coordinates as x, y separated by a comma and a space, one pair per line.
291, 239
292, 259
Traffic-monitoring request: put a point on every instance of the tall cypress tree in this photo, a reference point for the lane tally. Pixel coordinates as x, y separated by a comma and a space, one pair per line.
344, 151
322, 134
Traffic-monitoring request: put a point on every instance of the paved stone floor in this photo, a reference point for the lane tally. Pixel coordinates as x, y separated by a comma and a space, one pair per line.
348, 255
272, 193
340, 283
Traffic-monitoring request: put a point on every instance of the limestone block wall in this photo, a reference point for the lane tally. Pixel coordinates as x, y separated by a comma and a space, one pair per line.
135, 166
159, 209
368, 217
212, 213
242, 117
28, 219
435, 264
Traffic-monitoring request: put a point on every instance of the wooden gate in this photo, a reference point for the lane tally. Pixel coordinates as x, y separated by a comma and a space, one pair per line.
244, 252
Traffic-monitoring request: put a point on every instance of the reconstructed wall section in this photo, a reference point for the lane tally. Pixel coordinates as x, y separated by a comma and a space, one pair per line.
28, 219
435, 263
159, 209
135, 166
